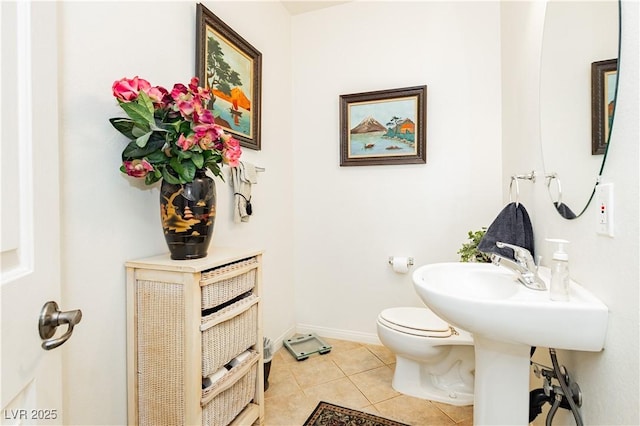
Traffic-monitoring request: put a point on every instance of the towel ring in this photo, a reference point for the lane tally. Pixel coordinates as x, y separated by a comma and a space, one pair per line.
529, 176
514, 179
549, 178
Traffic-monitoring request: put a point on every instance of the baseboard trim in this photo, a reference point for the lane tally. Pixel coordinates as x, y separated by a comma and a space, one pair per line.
278, 342
336, 333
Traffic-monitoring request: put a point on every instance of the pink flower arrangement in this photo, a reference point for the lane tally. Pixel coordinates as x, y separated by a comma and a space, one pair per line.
172, 134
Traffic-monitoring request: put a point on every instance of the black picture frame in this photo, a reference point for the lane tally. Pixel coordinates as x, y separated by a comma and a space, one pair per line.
236, 87
603, 76
384, 127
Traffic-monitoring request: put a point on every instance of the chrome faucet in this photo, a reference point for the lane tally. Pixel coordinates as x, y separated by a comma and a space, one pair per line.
524, 266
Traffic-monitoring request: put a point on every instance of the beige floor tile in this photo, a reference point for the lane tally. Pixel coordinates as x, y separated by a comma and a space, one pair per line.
456, 413
341, 345
314, 371
282, 356
290, 410
351, 375
370, 409
340, 392
375, 384
413, 411
383, 354
465, 422
278, 366
281, 381
356, 360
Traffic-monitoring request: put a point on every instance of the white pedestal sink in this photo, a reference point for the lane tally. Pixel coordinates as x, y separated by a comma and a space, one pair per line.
506, 319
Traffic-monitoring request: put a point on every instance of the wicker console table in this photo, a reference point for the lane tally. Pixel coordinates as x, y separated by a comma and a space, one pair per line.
189, 321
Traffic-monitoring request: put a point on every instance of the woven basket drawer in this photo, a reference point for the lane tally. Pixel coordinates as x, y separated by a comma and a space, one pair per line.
227, 333
220, 285
160, 355
225, 406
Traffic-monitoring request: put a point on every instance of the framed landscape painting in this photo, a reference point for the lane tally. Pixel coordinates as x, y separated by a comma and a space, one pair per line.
604, 75
384, 127
231, 69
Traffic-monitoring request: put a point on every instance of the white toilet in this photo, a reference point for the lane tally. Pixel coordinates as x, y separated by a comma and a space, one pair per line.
433, 360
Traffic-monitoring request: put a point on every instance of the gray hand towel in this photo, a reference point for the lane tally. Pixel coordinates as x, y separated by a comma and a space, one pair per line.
511, 226
564, 210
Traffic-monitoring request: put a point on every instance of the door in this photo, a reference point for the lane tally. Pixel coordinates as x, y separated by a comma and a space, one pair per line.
31, 391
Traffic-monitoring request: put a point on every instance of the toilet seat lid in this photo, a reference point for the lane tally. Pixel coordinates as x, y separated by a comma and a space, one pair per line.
416, 321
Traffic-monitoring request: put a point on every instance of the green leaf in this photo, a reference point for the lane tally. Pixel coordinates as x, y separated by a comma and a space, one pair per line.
212, 156
198, 159
156, 157
184, 154
142, 140
184, 128
215, 169
151, 178
469, 251
140, 110
188, 170
155, 127
133, 151
166, 175
137, 132
213, 166
176, 165
124, 126
137, 115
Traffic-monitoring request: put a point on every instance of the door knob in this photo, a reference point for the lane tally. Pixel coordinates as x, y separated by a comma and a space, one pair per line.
50, 319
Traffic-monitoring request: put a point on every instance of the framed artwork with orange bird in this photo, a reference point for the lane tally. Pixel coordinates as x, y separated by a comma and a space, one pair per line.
231, 69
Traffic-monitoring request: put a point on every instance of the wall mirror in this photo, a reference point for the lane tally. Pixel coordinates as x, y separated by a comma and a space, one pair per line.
580, 48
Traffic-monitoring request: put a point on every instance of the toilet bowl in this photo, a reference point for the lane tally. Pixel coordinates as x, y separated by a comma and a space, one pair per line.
433, 360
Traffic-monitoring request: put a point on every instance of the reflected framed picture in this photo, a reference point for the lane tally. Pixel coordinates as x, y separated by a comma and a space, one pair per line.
384, 127
604, 77
231, 69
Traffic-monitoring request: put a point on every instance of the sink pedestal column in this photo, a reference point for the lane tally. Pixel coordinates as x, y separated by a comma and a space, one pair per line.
501, 383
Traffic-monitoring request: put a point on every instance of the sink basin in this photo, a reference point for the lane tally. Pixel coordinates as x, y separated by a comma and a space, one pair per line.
506, 319
488, 300
477, 281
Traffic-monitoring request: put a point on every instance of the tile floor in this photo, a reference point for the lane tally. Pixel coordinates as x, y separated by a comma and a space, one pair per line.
352, 375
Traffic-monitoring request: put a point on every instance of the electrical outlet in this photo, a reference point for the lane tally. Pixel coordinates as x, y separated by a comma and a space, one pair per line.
604, 200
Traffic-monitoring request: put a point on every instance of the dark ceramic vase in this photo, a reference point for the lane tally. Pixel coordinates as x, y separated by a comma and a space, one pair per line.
188, 213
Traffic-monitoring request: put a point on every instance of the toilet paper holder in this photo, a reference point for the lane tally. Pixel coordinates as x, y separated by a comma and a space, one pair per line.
409, 260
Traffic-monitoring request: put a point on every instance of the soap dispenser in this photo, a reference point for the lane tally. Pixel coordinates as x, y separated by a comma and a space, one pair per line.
559, 289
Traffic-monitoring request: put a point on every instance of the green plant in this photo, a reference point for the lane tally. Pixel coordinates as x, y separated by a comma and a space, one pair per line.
469, 251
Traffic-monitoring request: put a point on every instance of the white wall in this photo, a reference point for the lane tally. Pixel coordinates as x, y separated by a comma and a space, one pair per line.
108, 219
521, 27
606, 266
348, 220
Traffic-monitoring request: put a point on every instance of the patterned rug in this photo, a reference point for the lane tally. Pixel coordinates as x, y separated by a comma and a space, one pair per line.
327, 414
